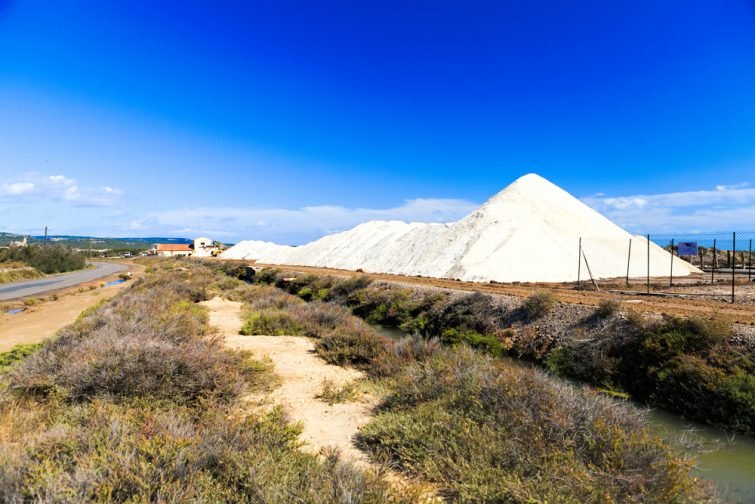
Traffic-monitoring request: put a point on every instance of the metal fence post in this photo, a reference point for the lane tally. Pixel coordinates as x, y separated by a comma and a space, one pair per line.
749, 263
629, 258
733, 252
671, 271
714, 263
648, 279
579, 265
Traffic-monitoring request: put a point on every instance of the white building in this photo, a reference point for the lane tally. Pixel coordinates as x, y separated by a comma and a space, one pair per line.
203, 247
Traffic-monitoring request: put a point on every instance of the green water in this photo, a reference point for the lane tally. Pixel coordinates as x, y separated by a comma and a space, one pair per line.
729, 460
391, 332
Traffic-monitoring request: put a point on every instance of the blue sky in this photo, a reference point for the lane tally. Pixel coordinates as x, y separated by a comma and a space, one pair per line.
285, 120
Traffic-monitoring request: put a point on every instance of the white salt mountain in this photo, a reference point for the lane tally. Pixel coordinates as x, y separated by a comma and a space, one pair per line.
529, 232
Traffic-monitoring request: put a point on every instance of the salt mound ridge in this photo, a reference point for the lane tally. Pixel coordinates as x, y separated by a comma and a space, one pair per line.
529, 232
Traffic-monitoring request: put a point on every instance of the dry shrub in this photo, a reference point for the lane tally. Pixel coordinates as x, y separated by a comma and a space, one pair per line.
334, 394
263, 297
482, 429
129, 404
150, 341
345, 287
358, 346
607, 308
318, 319
539, 304
476, 312
528, 343
109, 453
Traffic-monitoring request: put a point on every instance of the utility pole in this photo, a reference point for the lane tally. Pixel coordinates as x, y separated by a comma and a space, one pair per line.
648, 277
579, 265
733, 253
629, 258
671, 271
45, 243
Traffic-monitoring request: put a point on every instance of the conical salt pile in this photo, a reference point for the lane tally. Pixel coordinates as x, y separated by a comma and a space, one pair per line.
529, 232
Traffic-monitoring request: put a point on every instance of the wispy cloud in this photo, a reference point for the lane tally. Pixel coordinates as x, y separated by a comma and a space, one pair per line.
33, 187
726, 207
293, 225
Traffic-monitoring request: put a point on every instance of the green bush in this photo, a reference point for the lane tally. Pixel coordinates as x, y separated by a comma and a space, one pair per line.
271, 322
49, 259
314, 294
17, 354
477, 312
487, 343
684, 365
345, 287
31, 301
268, 276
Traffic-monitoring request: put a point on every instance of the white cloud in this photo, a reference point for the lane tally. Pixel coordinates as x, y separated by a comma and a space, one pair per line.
293, 225
727, 207
18, 188
31, 187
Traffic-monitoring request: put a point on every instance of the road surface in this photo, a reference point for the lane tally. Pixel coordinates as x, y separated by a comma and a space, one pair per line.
39, 286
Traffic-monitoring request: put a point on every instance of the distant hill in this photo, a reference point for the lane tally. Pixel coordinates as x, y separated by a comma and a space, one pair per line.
96, 242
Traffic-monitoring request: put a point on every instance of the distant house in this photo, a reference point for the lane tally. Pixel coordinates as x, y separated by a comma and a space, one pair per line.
202, 242
20, 243
205, 247
172, 249
202, 247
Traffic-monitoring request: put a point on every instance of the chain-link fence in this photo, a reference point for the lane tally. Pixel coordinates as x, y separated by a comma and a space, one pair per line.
713, 265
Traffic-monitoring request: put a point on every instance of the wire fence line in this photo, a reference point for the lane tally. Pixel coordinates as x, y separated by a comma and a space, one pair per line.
671, 260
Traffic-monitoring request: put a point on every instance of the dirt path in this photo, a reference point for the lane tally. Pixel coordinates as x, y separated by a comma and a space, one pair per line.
39, 322
301, 373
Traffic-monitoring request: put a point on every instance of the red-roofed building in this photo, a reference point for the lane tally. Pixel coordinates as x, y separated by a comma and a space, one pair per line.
172, 249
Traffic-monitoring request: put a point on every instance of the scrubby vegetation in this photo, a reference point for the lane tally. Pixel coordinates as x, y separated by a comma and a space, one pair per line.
490, 431
539, 304
16, 272
50, 259
334, 394
17, 353
482, 429
686, 366
138, 402
607, 308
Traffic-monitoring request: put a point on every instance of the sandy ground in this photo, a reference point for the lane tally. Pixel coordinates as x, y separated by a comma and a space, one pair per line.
301, 373
41, 321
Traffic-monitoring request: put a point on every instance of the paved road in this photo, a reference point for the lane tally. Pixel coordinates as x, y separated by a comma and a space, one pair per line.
41, 285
